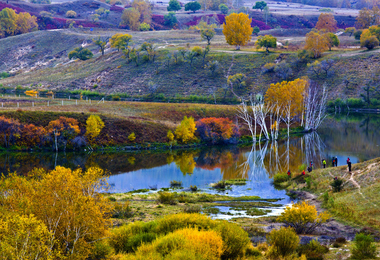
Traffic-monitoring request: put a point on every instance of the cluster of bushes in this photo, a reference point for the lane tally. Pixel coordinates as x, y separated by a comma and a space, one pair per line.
176, 236
210, 130
353, 103
61, 133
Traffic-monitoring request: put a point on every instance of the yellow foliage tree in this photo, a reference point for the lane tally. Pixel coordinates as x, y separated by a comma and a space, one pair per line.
170, 136
316, 43
132, 137
326, 21
26, 23
186, 130
67, 202
144, 8
368, 40
185, 162
237, 29
131, 18
94, 125
23, 237
287, 92
120, 41
303, 217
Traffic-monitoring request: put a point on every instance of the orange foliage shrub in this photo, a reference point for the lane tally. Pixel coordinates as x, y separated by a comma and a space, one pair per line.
217, 130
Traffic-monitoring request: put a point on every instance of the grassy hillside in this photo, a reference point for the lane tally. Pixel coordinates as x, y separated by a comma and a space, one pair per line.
357, 203
34, 61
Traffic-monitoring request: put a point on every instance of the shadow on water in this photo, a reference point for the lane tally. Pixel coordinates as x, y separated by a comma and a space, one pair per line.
355, 136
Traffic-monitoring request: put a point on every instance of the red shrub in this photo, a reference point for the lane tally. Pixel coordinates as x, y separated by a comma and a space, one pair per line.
260, 24
159, 19
118, 9
217, 130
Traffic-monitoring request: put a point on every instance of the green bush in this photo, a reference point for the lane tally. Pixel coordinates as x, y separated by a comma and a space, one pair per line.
314, 250
283, 242
280, 177
121, 236
192, 209
363, 247
235, 240
135, 241
176, 184
115, 98
166, 198
101, 250
337, 185
355, 102
193, 188
252, 251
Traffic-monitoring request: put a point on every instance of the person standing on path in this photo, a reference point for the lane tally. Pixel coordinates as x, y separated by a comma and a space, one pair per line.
349, 166
336, 161
324, 163
333, 161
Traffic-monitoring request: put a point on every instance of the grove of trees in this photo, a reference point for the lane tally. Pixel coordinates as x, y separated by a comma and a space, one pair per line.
12, 23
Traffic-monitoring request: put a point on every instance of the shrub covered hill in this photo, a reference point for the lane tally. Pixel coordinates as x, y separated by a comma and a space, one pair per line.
40, 59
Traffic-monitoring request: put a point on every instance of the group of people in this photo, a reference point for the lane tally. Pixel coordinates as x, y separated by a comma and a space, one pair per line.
334, 164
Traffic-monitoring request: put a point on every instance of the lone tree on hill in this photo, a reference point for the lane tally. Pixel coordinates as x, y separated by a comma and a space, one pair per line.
267, 41
237, 29
332, 40
260, 5
193, 6
101, 43
174, 5
326, 22
316, 43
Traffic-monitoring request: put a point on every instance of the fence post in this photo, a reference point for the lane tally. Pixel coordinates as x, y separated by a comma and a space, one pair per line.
48, 103
76, 101
62, 102
18, 104
90, 101
69, 97
2, 104
32, 104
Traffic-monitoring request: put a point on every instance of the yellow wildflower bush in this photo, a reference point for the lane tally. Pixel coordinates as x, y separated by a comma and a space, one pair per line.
303, 217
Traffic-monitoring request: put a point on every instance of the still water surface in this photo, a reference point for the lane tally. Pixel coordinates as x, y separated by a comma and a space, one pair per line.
355, 136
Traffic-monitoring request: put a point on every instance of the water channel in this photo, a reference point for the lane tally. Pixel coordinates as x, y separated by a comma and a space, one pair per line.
356, 136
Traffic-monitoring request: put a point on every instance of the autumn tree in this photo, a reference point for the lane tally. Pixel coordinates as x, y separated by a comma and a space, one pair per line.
375, 31
26, 23
368, 40
368, 17
131, 18
63, 130
9, 130
8, 18
174, 5
185, 132
332, 40
287, 98
316, 43
217, 130
120, 41
260, 5
326, 21
67, 202
193, 6
94, 125
101, 43
267, 41
23, 237
144, 9
237, 29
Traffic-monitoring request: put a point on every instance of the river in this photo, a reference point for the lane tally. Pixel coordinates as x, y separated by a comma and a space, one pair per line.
356, 136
